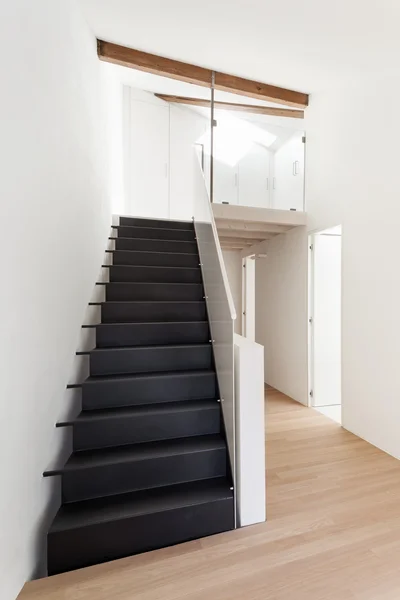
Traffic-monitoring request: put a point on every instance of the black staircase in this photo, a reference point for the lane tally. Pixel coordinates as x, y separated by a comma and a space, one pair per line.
150, 466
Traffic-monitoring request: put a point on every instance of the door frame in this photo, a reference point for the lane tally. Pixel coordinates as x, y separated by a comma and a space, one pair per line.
310, 314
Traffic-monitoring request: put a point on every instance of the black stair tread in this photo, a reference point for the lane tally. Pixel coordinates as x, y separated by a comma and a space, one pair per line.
155, 220
147, 347
147, 282
121, 237
163, 374
121, 323
156, 251
86, 459
150, 302
155, 228
151, 267
111, 508
144, 409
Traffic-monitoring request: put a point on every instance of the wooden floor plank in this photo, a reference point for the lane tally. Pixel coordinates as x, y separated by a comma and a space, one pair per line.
333, 530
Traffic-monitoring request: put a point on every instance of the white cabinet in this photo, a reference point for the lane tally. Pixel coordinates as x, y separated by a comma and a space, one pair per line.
159, 144
289, 175
225, 183
186, 128
247, 182
148, 160
254, 177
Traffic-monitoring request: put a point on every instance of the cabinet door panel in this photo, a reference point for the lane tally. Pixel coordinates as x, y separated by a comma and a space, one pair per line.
225, 183
254, 177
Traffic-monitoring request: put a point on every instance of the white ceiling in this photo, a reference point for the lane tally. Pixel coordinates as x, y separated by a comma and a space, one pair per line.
308, 45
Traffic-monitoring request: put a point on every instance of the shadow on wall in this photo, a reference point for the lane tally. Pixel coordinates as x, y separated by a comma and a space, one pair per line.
51, 500
61, 445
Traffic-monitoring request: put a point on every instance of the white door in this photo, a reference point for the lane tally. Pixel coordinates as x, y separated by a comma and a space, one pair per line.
149, 160
326, 320
225, 183
254, 177
249, 298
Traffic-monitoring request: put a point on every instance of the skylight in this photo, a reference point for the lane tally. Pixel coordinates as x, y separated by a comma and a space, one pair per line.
233, 139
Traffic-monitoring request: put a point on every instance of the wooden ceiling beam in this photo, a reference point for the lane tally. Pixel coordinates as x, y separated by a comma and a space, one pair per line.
151, 63
248, 108
261, 91
143, 61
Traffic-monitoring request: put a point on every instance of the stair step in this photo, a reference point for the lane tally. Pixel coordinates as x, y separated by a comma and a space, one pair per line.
154, 291
137, 424
146, 359
136, 312
154, 259
160, 223
148, 274
132, 390
154, 233
119, 469
175, 246
96, 531
146, 334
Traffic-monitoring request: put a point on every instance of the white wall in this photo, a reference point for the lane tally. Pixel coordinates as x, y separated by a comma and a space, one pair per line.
345, 185
233, 265
56, 214
177, 128
288, 189
281, 312
113, 102
147, 128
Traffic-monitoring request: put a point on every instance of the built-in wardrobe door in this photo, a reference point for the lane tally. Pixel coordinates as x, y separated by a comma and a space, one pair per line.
254, 177
225, 182
148, 159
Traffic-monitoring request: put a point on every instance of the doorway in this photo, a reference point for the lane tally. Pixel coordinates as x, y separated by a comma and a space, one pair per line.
325, 302
249, 297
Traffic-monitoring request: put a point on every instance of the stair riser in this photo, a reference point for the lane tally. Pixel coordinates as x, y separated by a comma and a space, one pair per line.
147, 334
74, 549
147, 390
118, 478
156, 312
155, 245
147, 360
156, 259
154, 291
154, 223
154, 274
146, 428
155, 234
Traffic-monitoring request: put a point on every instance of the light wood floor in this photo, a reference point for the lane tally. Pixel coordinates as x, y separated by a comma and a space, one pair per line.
333, 531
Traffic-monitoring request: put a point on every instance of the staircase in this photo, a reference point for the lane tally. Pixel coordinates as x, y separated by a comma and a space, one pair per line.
149, 466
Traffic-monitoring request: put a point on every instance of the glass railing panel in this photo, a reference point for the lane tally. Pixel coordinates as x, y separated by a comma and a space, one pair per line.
257, 162
220, 307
